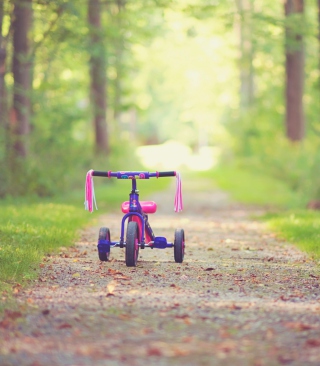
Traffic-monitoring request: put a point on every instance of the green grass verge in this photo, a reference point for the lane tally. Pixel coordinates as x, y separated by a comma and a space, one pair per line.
301, 227
291, 222
31, 228
28, 232
254, 188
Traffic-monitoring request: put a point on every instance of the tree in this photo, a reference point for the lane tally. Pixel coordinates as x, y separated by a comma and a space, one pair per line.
21, 66
119, 48
98, 83
319, 36
245, 8
3, 70
294, 66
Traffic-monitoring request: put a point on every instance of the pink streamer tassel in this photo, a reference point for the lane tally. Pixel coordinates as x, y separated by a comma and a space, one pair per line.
89, 198
178, 204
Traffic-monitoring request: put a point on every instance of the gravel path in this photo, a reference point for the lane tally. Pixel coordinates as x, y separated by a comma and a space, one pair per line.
241, 297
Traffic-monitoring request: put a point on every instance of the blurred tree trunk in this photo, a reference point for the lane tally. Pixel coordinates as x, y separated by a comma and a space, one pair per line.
294, 72
21, 66
3, 57
245, 9
119, 48
319, 36
3, 89
98, 77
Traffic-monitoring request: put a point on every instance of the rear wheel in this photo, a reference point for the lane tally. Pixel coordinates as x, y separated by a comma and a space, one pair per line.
178, 245
132, 244
104, 234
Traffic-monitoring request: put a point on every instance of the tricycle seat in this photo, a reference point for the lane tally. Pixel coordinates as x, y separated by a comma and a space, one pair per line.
148, 207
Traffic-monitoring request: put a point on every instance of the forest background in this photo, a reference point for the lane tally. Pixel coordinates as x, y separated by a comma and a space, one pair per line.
88, 81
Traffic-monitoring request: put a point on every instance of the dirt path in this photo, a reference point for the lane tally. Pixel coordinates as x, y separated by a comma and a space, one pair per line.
241, 297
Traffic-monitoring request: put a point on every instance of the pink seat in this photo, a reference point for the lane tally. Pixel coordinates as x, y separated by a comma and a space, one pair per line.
148, 207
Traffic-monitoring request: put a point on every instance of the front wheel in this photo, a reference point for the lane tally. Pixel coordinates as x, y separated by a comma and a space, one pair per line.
178, 245
132, 244
104, 234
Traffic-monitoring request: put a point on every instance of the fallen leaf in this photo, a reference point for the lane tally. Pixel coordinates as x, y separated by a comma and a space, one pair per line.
5, 324
226, 346
114, 272
284, 360
111, 286
154, 351
313, 342
298, 326
184, 277
125, 278
64, 326
178, 351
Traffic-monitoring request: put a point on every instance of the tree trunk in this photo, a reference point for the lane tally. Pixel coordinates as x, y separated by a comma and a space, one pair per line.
3, 91
294, 73
246, 53
98, 77
119, 47
20, 114
319, 39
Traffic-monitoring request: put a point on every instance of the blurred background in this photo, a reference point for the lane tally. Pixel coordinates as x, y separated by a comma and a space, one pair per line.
229, 87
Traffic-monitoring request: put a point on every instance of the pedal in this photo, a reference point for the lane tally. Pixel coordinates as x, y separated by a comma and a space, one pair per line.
160, 242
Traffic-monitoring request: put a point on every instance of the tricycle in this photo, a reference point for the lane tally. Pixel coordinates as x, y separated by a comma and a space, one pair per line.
139, 234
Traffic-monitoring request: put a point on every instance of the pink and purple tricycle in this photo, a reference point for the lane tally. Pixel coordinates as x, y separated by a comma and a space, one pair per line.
139, 234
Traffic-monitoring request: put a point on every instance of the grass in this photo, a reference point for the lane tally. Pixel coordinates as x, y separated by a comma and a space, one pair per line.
30, 231
255, 188
288, 218
31, 228
301, 227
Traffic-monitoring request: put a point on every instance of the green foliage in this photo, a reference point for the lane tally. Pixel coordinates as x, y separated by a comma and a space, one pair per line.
258, 133
261, 146
299, 227
254, 187
173, 71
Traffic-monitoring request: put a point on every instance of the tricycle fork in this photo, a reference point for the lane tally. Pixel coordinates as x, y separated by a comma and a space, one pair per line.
140, 221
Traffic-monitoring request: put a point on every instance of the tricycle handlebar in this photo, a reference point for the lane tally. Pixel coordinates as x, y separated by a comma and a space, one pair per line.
133, 175
89, 189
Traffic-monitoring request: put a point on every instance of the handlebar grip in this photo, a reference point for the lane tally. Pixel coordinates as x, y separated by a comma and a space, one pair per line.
125, 175
97, 173
167, 174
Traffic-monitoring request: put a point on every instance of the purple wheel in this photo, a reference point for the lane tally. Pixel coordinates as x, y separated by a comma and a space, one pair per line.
132, 244
104, 234
178, 245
